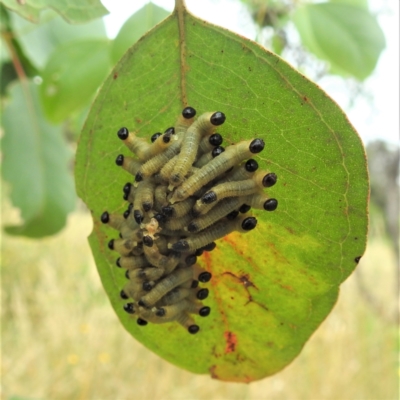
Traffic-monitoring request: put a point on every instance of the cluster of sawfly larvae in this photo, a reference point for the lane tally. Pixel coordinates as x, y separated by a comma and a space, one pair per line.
187, 192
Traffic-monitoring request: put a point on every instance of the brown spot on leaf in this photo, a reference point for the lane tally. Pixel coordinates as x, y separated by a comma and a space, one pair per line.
231, 342
115, 76
212, 372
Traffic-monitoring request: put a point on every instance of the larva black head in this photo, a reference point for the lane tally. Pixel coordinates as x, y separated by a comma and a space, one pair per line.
169, 131
188, 112
195, 284
123, 295
126, 214
160, 312
160, 217
205, 276
193, 329
251, 165
215, 139
138, 177
217, 151
141, 303
269, 180
147, 286
256, 146
105, 217
249, 223
168, 211
141, 322
210, 246
244, 208
155, 136
271, 205
129, 308
127, 187
209, 197
204, 311
199, 252
138, 216
190, 260
357, 259
118, 262
181, 245
166, 138
147, 206
123, 133
125, 196
127, 274
218, 118
148, 241
119, 160
232, 215
193, 227
202, 294
111, 244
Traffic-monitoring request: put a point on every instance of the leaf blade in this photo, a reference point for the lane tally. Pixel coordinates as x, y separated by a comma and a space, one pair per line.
320, 187
36, 165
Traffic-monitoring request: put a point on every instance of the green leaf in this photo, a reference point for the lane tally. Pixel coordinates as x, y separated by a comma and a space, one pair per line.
136, 26
36, 164
40, 40
346, 36
70, 79
273, 287
74, 11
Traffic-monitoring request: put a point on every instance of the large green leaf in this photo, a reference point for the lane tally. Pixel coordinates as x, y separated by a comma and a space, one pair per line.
74, 11
347, 36
35, 163
40, 40
273, 287
73, 73
136, 26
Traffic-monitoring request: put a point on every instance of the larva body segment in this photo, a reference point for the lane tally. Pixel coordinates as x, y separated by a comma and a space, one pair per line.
178, 223
155, 163
129, 164
233, 155
158, 146
233, 188
261, 201
241, 172
167, 284
175, 295
132, 262
208, 143
206, 158
115, 221
214, 232
134, 143
220, 210
204, 125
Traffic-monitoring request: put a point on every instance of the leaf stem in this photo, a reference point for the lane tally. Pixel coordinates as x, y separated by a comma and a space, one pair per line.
7, 36
180, 9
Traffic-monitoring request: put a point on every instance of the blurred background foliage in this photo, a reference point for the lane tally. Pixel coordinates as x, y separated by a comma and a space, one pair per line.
54, 55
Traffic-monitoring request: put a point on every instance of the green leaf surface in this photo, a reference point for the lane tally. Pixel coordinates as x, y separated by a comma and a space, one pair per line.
272, 287
135, 27
38, 41
73, 11
357, 3
73, 73
346, 36
36, 163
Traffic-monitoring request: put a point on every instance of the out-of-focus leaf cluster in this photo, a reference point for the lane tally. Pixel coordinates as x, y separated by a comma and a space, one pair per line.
50, 73
343, 33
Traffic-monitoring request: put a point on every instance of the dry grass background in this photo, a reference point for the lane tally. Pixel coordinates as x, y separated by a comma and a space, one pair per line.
62, 340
